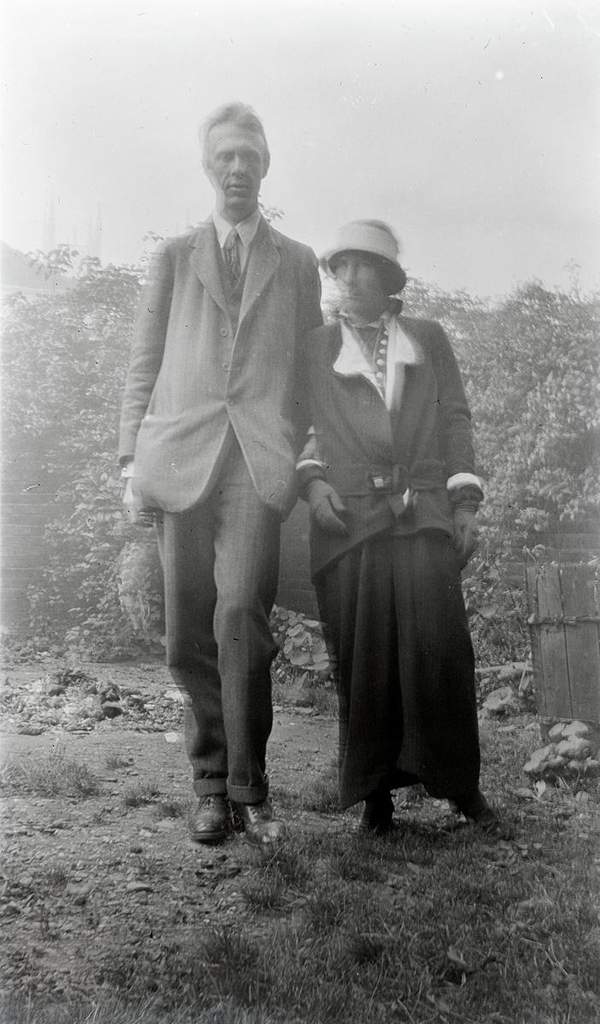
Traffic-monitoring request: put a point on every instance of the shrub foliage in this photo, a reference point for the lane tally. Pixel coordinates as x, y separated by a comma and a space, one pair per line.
65, 359
530, 364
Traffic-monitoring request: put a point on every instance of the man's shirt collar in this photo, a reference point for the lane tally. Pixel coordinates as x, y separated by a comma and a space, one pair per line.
246, 229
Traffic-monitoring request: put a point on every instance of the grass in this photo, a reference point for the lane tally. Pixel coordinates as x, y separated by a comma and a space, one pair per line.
49, 776
141, 794
168, 809
427, 926
114, 761
109, 1009
55, 877
320, 699
470, 935
321, 794
283, 875
51, 877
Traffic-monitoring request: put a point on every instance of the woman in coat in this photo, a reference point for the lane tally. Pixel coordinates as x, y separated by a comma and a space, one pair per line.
388, 472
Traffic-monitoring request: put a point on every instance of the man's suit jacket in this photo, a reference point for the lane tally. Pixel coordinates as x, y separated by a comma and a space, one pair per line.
421, 446
191, 378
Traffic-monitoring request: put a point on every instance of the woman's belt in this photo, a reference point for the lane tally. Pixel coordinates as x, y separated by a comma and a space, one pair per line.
399, 483
358, 478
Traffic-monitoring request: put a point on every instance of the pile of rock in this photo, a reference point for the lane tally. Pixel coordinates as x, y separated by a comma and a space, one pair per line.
572, 751
505, 690
501, 703
77, 702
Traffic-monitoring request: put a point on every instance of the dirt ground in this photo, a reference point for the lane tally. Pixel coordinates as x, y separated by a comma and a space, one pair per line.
81, 875
87, 876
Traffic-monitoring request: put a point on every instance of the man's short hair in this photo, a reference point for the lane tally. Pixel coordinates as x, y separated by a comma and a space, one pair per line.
241, 115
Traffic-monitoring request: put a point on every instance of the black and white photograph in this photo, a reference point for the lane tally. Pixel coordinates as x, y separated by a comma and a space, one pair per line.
300, 494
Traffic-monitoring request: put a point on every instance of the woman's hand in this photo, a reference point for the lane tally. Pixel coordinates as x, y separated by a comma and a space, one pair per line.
466, 533
326, 507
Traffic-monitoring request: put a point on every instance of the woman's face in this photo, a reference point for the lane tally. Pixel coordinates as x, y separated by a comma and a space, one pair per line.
359, 284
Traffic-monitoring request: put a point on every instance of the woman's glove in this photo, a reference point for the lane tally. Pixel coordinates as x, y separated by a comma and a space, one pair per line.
466, 532
326, 507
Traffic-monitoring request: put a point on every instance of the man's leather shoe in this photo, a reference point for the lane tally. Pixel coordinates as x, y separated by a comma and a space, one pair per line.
210, 820
376, 817
261, 828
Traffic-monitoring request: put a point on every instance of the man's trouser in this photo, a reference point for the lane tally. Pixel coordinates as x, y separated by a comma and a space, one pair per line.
220, 563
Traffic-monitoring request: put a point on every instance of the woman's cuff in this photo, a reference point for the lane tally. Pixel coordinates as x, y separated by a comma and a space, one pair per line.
467, 497
307, 471
458, 480
465, 489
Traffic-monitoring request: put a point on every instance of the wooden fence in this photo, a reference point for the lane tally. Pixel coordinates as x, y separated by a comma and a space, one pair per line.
564, 624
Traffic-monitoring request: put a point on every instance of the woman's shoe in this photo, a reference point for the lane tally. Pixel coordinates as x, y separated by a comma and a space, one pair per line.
481, 814
490, 822
376, 818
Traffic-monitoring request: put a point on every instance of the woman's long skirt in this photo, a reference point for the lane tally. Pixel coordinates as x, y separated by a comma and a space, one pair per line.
395, 616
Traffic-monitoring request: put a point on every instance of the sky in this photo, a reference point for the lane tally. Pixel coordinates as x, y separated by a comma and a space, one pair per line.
471, 127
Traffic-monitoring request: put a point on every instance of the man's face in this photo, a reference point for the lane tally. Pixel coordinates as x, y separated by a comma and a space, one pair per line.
235, 167
359, 284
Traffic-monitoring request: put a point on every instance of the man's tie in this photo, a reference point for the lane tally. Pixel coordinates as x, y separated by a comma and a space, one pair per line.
231, 254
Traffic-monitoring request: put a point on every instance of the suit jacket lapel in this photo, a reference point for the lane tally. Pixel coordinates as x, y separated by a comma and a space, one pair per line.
402, 425
205, 261
334, 344
377, 408
407, 418
263, 261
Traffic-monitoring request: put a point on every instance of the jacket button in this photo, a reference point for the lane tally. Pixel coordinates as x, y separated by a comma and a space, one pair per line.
225, 366
224, 332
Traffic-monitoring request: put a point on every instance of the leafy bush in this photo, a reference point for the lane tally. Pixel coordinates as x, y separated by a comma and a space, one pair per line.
530, 365
303, 649
531, 369
65, 359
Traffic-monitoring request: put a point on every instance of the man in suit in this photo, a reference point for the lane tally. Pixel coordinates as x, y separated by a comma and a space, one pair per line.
209, 436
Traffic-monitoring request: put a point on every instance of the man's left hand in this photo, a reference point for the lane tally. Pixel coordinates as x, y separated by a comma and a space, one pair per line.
466, 534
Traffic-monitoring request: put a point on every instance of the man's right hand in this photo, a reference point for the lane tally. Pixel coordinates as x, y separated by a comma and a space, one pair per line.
136, 515
326, 507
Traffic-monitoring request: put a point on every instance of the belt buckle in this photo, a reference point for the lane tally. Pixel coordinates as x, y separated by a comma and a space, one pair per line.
379, 482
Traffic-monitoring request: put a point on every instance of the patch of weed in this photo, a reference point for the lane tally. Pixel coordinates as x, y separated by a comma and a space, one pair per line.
322, 698
284, 798
263, 893
321, 794
140, 794
233, 960
110, 1009
168, 809
328, 905
114, 761
54, 774
278, 878
350, 868
54, 877
203, 969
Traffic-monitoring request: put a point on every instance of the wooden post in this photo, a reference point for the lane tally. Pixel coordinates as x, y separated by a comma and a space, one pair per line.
564, 624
